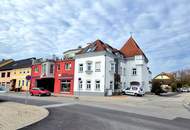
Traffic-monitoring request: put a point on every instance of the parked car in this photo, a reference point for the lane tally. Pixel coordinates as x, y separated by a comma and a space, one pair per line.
3, 89
184, 89
136, 91
39, 92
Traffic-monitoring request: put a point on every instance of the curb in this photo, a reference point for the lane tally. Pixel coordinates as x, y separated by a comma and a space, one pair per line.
187, 106
35, 121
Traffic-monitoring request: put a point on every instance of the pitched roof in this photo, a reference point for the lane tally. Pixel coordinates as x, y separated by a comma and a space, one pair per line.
131, 48
25, 63
98, 46
5, 61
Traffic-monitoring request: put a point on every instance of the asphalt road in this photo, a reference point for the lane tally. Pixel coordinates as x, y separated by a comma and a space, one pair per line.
80, 117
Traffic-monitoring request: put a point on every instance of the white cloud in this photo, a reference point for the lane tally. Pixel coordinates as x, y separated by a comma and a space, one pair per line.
41, 28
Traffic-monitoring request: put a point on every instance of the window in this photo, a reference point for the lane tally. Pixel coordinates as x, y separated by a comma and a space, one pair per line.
3, 84
65, 85
67, 66
89, 66
80, 84
36, 69
51, 68
58, 67
8, 74
20, 72
43, 68
23, 72
124, 84
124, 71
97, 66
26, 82
88, 85
22, 82
134, 71
19, 83
28, 71
8, 84
3, 75
134, 88
80, 67
121, 70
111, 84
97, 84
112, 67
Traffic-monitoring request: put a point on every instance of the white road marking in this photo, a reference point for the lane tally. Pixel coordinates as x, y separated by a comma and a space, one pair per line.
58, 105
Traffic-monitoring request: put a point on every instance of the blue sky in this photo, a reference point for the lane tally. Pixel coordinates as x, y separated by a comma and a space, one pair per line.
40, 28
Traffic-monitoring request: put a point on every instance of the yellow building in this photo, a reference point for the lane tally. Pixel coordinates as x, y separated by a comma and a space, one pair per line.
13, 75
5, 72
19, 78
5, 78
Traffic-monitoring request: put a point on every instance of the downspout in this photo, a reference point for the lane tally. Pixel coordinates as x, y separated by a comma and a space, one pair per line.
105, 93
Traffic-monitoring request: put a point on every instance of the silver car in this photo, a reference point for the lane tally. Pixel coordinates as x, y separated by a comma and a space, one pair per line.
3, 89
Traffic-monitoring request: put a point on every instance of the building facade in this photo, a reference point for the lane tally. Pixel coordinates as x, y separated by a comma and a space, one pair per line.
103, 70
137, 70
13, 75
43, 74
64, 73
95, 67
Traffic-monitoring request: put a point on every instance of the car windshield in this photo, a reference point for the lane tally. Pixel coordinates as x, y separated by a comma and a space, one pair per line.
127, 88
41, 89
134, 88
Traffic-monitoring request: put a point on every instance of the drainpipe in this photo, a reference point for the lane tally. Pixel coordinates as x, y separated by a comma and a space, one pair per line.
105, 78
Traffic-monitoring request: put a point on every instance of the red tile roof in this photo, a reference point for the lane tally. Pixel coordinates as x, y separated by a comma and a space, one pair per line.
98, 46
131, 49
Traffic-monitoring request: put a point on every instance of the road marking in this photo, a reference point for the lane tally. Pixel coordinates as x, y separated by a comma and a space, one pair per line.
58, 105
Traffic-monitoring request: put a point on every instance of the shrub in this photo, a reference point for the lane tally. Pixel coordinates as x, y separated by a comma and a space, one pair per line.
156, 88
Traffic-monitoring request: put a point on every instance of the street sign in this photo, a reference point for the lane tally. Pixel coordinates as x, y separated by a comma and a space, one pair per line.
28, 77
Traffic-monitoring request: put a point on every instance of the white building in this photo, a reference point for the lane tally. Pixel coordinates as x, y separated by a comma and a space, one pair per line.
137, 70
103, 70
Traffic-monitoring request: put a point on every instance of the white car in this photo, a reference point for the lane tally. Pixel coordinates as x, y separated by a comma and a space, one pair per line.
136, 91
3, 90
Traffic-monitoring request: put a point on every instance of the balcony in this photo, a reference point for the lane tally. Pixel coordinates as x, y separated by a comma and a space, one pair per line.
88, 71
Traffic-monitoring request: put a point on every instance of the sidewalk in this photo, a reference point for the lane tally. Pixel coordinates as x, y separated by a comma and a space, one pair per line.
15, 115
151, 105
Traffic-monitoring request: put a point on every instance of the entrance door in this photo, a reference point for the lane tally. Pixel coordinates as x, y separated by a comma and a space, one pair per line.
65, 85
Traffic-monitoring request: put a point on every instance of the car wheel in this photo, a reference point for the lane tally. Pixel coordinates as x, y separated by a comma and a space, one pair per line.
135, 94
31, 94
39, 95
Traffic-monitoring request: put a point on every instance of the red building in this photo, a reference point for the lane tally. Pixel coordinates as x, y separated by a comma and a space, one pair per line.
43, 74
36, 73
64, 77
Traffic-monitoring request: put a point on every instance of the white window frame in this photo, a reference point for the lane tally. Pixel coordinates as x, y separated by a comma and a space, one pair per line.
97, 85
112, 67
134, 71
88, 85
89, 65
98, 66
111, 85
81, 68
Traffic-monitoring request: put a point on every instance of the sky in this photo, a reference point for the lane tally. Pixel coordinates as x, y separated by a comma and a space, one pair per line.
41, 28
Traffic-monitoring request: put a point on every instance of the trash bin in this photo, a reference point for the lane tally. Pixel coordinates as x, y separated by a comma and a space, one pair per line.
109, 92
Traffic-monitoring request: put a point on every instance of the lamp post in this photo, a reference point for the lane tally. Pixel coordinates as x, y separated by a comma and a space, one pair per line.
28, 78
